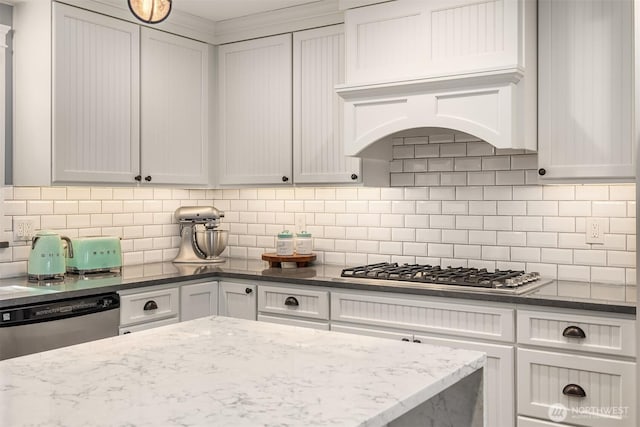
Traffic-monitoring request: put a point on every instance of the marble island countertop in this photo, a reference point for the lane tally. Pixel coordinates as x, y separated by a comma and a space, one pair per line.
565, 294
220, 371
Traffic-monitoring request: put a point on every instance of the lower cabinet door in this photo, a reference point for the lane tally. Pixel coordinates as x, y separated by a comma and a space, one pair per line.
238, 300
198, 300
500, 399
583, 391
500, 368
312, 324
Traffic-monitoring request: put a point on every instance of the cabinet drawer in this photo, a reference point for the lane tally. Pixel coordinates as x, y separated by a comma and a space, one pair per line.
577, 332
311, 324
145, 326
132, 307
427, 316
293, 302
608, 386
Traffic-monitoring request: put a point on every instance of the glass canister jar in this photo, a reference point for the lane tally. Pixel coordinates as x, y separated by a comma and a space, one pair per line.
304, 244
284, 243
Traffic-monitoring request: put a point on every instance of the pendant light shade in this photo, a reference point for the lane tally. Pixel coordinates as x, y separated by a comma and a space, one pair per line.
150, 11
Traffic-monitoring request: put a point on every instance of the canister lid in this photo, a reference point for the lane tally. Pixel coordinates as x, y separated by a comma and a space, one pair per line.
304, 234
285, 234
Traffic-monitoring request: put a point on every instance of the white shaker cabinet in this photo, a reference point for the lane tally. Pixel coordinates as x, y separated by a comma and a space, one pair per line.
585, 106
95, 97
238, 300
254, 95
174, 115
198, 300
101, 100
318, 112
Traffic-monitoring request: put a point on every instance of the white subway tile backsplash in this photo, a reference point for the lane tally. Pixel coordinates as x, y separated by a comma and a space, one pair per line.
416, 221
443, 221
481, 178
498, 193
455, 236
469, 193
454, 203
468, 164
525, 254
496, 253
467, 251
483, 208
509, 177
478, 237
442, 193
574, 272
496, 163
542, 239
426, 150
592, 192
512, 238
608, 275
472, 222
609, 208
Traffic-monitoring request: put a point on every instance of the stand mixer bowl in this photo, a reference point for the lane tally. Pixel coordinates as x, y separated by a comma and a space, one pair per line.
212, 242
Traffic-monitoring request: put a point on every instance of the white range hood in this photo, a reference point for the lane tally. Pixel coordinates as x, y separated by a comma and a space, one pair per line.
464, 65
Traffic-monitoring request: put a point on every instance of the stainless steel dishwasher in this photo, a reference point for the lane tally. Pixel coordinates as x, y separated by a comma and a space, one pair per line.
33, 328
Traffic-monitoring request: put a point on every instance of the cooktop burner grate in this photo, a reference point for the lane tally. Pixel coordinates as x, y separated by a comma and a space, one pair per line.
461, 276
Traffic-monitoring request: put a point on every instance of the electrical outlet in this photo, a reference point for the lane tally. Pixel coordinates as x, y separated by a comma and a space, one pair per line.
595, 231
23, 229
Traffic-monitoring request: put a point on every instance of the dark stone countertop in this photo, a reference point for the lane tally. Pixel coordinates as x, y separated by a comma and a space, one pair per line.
600, 297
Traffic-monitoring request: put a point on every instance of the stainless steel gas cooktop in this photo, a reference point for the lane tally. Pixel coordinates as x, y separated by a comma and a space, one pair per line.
510, 281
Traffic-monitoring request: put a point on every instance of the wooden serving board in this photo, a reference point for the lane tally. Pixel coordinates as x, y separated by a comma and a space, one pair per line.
275, 260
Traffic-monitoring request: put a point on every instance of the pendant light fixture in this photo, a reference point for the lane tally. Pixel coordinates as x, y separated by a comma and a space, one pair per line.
150, 11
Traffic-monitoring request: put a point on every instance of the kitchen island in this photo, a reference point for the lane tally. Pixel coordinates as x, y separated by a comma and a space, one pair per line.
219, 371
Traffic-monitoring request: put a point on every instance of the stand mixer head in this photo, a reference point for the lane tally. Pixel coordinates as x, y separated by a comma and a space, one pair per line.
200, 239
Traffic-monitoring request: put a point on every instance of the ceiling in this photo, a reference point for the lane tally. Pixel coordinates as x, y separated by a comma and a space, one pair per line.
219, 10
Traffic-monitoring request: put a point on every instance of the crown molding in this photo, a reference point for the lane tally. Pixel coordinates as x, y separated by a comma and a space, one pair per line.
296, 18
179, 23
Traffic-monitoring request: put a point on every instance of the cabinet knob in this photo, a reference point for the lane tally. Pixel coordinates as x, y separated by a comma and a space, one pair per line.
285, 178
291, 301
126, 332
138, 178
150, 305
406, 339
417, 341
542, 171
354, 176
574, 332
248, 291
574, 390
147, 178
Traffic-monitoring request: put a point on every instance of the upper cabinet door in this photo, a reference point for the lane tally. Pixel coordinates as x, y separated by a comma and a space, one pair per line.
255, 111
586, 89
96, 97
318, 112
174, 114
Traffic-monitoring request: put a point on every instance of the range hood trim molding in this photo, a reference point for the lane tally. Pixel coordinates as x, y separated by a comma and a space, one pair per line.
488, 105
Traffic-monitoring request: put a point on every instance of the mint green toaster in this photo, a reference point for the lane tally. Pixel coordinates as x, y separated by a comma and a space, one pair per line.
93, 254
